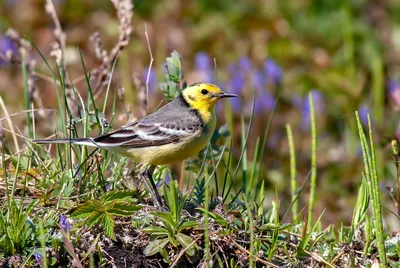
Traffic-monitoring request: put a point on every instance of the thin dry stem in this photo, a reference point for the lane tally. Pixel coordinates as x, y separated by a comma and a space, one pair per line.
124, 13
150, 66
58, 50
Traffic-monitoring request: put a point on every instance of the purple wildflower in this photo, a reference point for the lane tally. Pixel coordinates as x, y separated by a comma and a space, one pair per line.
204, 67
38, 258
394, 91
393, 85
264, 102
273, 71
152, 78
236, 104
258, 80
363, 111
202, 62
245, 64
232, 69
7, 45
108, 187
237, 84
65, 224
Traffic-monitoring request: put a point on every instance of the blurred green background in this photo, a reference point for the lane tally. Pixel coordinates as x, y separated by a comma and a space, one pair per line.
345, 52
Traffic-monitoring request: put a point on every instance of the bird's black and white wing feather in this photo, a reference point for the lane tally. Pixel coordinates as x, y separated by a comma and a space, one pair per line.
170, 124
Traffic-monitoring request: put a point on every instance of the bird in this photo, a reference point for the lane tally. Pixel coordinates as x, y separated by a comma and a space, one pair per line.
173, 133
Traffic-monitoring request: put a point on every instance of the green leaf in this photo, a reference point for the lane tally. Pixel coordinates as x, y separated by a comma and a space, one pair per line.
123, 209
155, 246
174, 68
156, 231
83, 211
173, 76
94, 218
199, 191
108, 224
167, 219
170, 90
362, 204
117, 195
164, 254
187, 243
187, 225
171, 195
218, 219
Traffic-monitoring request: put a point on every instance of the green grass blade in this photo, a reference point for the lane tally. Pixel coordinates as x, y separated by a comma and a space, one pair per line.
293, 182
313, 183
371, 176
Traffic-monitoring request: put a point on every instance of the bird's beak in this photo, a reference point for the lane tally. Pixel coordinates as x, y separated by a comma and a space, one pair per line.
226, 95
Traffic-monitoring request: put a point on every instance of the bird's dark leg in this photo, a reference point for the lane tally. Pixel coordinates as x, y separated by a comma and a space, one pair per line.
148, 174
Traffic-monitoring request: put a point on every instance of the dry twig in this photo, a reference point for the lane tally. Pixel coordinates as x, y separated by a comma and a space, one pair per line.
125, 13
150, 66
58, 48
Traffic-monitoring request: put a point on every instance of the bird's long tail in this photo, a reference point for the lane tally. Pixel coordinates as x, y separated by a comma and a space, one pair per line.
79, 141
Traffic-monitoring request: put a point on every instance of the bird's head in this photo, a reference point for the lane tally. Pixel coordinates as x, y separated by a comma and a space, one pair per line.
204, 96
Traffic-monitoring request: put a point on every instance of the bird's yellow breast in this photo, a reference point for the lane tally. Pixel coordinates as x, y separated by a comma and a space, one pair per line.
174, 152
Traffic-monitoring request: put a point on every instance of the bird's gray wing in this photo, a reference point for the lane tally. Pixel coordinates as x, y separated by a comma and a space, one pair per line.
165, 126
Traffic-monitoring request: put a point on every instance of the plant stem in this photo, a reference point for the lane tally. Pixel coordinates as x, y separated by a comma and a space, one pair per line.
313, 183
371, 175
293, 183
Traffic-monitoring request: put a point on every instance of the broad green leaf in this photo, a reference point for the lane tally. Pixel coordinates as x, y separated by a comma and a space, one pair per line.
155, 231
187, 243
167, 219
171, 195
155, 246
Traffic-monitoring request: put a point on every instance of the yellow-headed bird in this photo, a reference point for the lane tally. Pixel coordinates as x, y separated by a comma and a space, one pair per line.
176, 131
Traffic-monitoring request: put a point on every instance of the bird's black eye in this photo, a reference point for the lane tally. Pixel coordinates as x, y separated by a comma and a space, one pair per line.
204, 91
